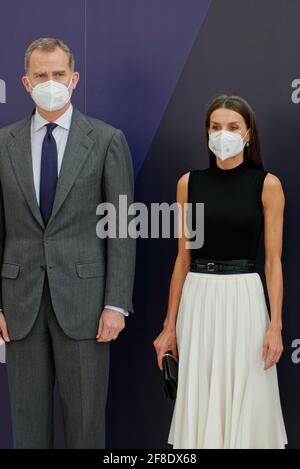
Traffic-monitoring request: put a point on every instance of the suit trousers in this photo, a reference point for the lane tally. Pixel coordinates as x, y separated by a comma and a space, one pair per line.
81, 368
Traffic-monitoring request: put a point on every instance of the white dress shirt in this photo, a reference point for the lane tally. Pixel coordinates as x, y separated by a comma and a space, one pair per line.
60, 134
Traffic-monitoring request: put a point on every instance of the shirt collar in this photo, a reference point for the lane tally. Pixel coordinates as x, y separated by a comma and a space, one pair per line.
63, 121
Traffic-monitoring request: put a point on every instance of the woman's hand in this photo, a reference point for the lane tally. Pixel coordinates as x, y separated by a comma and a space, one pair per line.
272, 346
164, 342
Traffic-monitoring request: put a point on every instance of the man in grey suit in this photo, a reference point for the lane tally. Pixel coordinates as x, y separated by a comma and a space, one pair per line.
64, 290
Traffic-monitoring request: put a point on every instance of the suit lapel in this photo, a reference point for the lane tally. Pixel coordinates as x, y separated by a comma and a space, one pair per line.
77, 150
21, 158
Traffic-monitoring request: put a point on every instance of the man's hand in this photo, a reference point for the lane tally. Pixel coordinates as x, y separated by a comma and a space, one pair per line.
3, 329
111, 323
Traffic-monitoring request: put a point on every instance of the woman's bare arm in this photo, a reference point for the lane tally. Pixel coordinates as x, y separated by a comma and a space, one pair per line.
167, 338
273, 203
182, 263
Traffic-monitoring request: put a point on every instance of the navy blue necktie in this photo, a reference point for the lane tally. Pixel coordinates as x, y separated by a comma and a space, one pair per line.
48, 178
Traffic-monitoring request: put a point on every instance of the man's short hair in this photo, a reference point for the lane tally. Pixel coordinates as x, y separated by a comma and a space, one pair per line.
48, 44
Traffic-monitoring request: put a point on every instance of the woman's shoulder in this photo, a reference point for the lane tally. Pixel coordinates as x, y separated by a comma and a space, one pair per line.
183, 180
186, 177
272, 188
271, 180
271, 183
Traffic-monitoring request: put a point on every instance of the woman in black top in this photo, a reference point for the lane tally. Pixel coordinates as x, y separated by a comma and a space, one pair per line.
217, 322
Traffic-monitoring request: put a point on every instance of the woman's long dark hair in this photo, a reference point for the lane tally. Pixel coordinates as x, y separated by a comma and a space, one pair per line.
235, 103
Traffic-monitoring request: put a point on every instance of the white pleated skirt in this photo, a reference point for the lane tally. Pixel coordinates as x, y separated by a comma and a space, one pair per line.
225, 398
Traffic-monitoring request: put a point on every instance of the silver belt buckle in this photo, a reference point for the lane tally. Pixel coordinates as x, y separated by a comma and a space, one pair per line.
208, 266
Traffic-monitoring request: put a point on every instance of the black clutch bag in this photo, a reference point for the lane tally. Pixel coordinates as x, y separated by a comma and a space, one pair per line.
170, 375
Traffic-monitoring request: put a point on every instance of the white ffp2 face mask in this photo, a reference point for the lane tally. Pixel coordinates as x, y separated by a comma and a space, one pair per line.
225, 144
51, 95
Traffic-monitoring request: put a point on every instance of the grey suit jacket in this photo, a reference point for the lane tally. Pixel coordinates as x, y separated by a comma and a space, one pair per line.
84, 271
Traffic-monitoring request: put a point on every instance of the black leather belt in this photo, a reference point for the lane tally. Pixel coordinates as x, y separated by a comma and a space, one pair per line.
234, 266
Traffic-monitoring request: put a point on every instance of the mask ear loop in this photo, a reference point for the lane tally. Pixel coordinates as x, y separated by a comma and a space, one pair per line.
246, 143
70, 91
32, 87
70, 82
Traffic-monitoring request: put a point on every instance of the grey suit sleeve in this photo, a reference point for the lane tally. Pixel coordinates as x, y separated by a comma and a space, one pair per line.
116, 308
118, 179
2, 235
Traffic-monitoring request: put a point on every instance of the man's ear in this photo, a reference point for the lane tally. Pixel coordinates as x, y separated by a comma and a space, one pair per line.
26, 84
75, 79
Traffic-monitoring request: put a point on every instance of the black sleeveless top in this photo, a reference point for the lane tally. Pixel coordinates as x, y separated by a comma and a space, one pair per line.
233, 211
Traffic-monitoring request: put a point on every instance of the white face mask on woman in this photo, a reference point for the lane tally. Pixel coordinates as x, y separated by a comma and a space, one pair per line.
225, 144
51, 95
